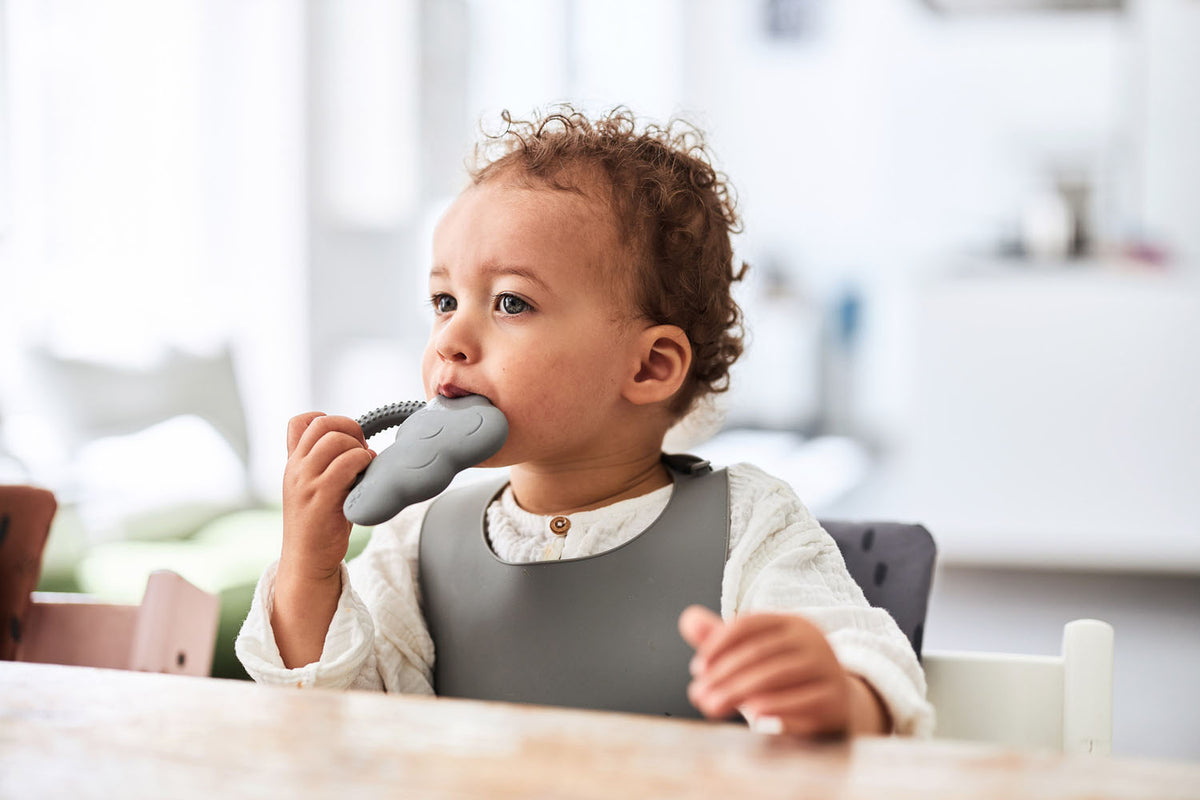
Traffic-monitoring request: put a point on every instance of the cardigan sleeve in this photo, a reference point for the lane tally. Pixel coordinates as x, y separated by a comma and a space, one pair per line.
781, 560
377, 638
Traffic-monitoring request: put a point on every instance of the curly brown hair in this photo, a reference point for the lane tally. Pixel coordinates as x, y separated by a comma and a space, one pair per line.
667, 200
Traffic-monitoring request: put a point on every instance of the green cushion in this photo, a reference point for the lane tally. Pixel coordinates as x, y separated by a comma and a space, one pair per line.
65, 547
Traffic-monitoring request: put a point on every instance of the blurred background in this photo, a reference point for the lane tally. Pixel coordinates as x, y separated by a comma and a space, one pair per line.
973, 227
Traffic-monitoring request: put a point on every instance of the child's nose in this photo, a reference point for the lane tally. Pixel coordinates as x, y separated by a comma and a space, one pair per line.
456, 341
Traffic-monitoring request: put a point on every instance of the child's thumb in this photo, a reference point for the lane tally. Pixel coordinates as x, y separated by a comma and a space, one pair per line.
697, 623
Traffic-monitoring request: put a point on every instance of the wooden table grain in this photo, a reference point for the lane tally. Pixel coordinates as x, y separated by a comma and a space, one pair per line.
79, 732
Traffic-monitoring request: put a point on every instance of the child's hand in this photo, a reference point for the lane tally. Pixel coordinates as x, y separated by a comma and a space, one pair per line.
778, 670
325, 455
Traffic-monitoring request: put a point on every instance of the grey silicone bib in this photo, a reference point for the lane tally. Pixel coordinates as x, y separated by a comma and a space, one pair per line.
599, 632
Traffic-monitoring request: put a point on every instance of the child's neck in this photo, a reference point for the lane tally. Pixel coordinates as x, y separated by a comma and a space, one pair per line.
572, 488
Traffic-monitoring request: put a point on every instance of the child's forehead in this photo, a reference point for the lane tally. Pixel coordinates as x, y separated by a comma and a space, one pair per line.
526, 216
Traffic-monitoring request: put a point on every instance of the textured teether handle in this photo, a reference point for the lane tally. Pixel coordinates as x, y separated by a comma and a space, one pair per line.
388, 416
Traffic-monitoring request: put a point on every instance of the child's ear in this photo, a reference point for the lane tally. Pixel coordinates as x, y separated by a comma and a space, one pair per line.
664, 356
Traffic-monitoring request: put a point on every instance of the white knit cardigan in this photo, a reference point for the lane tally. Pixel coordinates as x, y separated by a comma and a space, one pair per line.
780, 560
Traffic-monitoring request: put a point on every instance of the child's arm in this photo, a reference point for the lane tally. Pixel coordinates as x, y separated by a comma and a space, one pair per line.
325, 454
377, 639
776, 666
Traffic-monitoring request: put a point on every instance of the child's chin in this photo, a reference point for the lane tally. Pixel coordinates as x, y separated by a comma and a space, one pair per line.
495, 462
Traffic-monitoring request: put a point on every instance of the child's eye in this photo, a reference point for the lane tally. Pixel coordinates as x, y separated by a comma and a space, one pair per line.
443, 303
511, 304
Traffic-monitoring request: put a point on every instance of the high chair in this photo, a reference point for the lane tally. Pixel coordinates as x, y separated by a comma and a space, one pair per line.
172, 630
1061, 702
893, 563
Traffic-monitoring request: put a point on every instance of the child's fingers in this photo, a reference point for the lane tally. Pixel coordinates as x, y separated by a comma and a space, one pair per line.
785, 670
697, 624
344, 469
319, 426
733, 634
296, 427
327, 449
755, 650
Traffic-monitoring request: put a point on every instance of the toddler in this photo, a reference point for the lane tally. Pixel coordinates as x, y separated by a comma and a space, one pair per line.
581, 283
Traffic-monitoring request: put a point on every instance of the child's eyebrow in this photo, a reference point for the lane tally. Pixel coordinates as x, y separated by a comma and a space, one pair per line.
494, 269
515, 270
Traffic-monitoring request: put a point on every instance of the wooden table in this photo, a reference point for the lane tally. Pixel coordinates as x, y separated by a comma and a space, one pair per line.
78, 732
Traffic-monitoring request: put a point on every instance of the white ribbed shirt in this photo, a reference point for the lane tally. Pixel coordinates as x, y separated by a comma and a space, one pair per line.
780, 560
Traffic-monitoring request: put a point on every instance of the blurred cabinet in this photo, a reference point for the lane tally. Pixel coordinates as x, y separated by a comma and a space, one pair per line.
1055, 422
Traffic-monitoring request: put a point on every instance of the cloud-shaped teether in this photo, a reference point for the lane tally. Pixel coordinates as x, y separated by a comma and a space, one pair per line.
432, 446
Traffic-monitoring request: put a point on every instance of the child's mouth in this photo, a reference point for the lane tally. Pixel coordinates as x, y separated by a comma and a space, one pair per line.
452, 391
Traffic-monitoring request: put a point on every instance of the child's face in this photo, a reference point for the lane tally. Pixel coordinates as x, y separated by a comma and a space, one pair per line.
524, 316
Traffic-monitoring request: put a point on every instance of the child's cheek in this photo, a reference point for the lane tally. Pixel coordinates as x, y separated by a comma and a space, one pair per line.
427, 361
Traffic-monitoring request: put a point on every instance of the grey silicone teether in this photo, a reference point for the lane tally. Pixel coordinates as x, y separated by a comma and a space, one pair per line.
434, 443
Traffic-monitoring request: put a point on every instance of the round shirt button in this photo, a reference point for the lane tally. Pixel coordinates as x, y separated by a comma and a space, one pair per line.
559, 526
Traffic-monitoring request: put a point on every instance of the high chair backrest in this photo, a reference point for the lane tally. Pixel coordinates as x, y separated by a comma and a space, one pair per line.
1061, 702
174, 629
893, 563
25, 516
